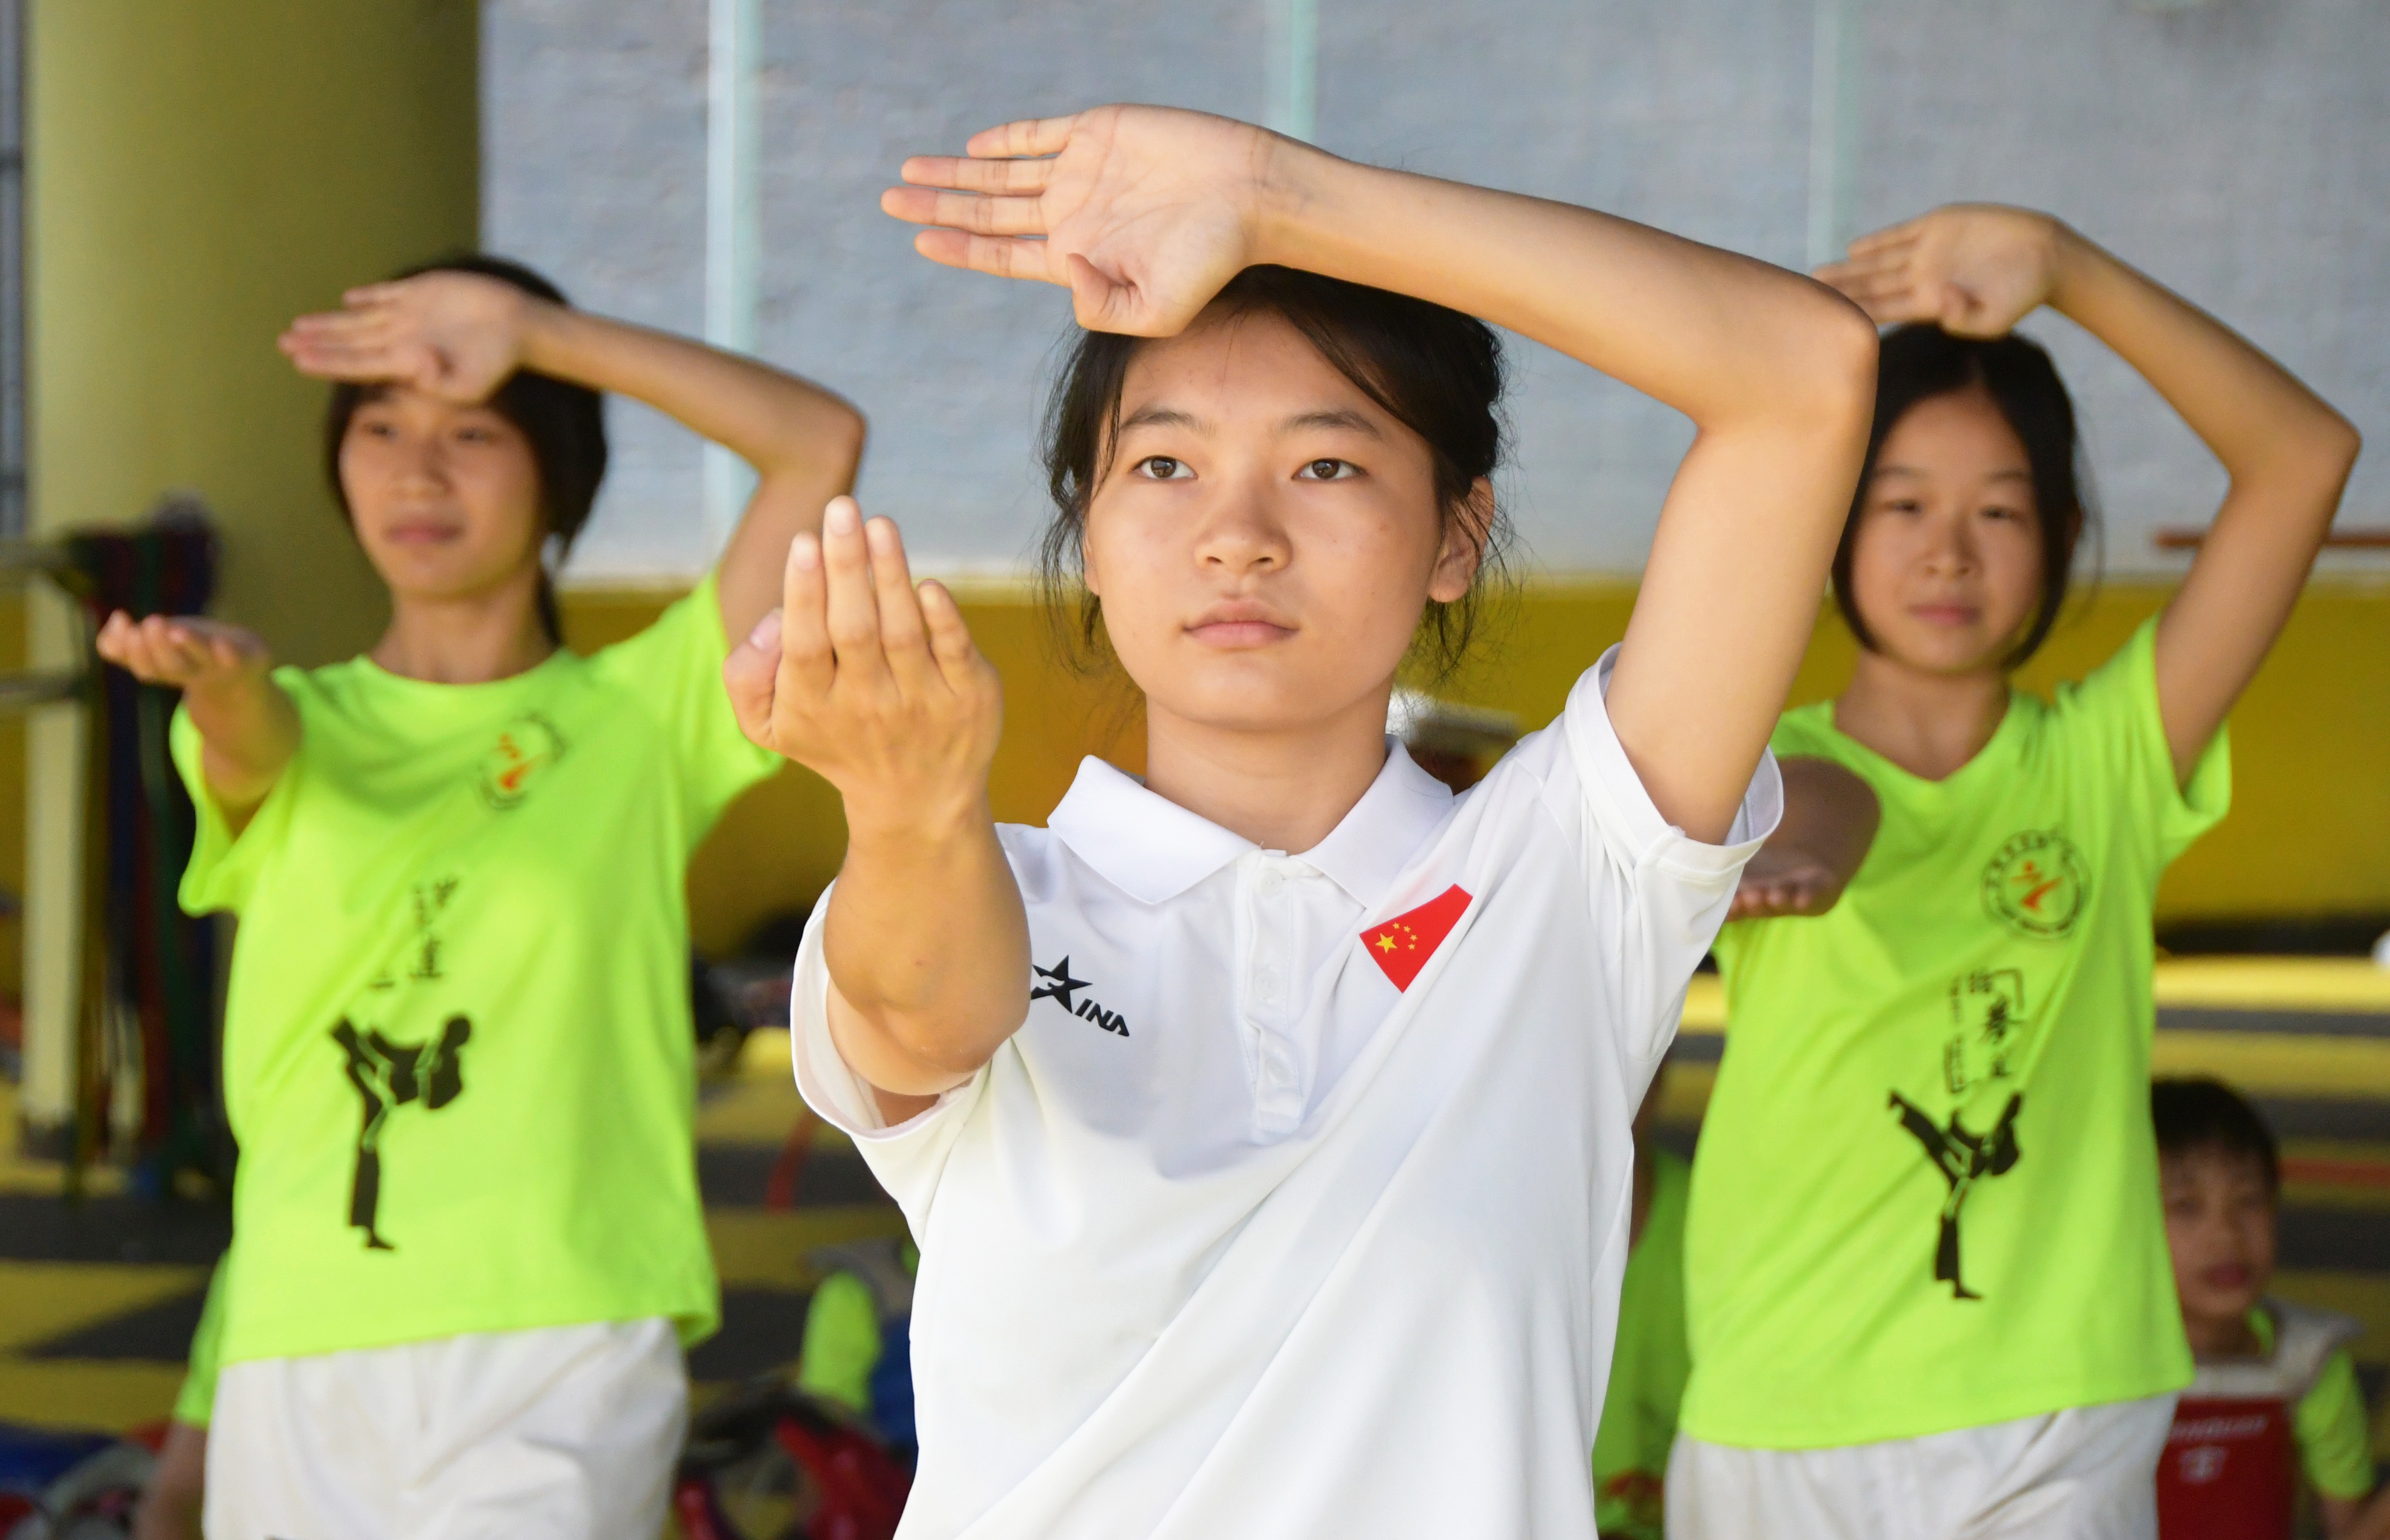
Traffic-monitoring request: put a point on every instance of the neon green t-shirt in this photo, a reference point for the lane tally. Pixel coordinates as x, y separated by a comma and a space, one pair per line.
1649, 1367
195, 1403
1926, 1193
2329, 1423
457, 1049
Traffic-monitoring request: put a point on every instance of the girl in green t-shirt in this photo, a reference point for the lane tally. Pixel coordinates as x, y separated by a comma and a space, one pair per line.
458, 1059
1927, 1275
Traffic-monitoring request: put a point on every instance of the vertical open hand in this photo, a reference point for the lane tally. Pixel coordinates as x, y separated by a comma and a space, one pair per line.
1142, 212
869, 681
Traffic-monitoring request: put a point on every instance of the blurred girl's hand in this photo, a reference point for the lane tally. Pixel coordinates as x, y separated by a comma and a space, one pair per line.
183, 651
1974, 269
1144, 212
453, 335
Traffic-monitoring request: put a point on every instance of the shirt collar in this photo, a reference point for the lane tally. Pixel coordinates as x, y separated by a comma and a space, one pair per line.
1153, 850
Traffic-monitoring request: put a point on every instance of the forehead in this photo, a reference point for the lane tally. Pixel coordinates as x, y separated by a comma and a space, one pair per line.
389, 397
1252, 368
1960, 434
2211, 1165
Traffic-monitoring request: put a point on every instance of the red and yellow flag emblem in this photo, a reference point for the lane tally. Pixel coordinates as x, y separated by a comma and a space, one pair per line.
1402, 945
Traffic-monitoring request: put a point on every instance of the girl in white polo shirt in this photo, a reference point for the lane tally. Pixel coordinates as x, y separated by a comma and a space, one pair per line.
1263, 1123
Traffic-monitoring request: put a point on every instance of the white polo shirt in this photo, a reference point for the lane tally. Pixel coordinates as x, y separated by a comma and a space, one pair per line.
1297, 1207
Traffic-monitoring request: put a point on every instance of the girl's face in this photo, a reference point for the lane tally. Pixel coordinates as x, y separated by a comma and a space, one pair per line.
1946, 566
445, 498
1267, 537
2219, 1220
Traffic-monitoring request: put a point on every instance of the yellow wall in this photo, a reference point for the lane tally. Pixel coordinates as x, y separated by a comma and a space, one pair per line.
201, 173
2309, 831
197, 175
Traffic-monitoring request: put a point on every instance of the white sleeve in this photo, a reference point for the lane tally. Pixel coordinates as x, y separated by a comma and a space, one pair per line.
906, 1158
1661, 893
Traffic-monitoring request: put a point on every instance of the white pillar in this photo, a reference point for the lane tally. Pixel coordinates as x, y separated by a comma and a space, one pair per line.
57, 741
1833, 129
1294, 72
733, 228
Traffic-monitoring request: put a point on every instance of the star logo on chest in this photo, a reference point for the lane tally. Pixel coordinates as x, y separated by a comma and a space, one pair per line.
1058, 984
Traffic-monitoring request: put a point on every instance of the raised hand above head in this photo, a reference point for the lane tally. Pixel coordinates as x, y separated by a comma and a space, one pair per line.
453, 335
1142, 212
1973, 269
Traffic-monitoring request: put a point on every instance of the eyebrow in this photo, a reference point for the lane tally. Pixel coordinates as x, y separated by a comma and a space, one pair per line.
1327, 417
2025, 476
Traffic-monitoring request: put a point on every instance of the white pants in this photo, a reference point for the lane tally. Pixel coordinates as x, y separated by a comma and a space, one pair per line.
2088, 1474
568, 1433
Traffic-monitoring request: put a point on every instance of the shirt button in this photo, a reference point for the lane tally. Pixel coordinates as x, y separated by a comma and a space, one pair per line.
1270, 883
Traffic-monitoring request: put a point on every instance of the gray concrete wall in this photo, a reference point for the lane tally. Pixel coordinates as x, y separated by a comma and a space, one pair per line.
2237, 152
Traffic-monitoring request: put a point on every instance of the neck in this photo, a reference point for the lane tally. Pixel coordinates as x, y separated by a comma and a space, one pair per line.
469, 639
2219, 1336
1930, 725
1283, 790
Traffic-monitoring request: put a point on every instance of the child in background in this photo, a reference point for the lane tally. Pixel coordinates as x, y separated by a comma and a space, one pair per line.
858, 1347
1650, 1367
2275, 1395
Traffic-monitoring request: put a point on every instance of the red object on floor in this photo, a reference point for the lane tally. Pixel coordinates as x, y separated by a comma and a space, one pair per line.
2230, 1471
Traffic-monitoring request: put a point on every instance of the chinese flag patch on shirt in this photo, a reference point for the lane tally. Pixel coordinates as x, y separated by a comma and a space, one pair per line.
1402, 945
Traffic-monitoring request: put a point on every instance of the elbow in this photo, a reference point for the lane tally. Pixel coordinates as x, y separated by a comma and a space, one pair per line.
1842, 353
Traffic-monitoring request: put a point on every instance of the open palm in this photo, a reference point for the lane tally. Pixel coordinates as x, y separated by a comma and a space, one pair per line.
1973, 269
1142, 212
454, 335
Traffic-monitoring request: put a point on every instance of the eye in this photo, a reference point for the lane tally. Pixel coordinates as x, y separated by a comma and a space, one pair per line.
476, 434
1163, 468
1328, 470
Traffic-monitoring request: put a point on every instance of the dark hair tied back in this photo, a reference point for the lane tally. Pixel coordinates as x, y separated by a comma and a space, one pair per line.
1435, 371
565, 424
1920, 361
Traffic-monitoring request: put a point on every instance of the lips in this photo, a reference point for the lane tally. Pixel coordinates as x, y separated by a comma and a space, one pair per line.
422, 532
1240, 624
1946, 614
2225, 1276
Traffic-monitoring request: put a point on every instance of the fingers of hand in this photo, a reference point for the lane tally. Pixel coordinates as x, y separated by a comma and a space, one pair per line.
950, 639
960, 173
1101, 303
1891, 237
1022, 137
748, 677
852, 611
1006, 257
968, 211
806, 666
902, 637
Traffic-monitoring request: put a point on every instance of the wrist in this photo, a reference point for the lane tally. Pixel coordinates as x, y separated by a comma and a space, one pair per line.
1289, 178
542, 335
887, 823
2072, 260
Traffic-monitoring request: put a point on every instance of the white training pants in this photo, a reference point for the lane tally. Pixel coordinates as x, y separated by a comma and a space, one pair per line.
2087, 1473
561, 1434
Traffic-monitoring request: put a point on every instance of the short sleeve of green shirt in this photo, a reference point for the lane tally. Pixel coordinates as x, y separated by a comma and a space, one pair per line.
224, 868
676, 664
2119, 703
2332, 1431
195, 1404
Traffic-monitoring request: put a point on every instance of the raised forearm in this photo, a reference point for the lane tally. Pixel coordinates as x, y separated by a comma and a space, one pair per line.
928, 947
1717, 336
248, 730
773, 420
2250, 411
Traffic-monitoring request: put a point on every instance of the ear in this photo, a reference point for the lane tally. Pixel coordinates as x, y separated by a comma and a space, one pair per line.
1462, 550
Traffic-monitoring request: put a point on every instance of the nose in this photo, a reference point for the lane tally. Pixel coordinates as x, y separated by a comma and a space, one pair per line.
1241, 530
1950, 547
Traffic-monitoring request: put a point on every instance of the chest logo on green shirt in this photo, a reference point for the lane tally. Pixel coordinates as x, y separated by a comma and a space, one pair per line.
526, 747
2037, 884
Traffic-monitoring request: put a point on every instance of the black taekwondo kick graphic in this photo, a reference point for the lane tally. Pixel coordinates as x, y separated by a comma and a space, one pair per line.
1963, 1159
389, 1075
